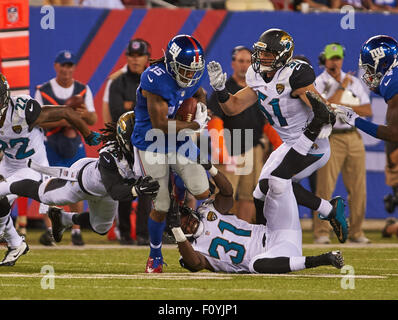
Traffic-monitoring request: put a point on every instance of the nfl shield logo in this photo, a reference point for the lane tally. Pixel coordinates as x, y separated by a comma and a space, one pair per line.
12, 14
279, 88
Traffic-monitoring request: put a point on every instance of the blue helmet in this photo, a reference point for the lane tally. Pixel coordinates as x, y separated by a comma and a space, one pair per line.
184, 60
378, 56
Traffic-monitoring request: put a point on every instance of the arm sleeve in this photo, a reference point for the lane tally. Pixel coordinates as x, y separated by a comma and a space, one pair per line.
32, 111
390, 90
116, 100
303, 75
214, 106
113, 182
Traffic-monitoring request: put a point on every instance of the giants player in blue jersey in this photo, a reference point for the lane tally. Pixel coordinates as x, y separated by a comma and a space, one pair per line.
379, 60
156, 137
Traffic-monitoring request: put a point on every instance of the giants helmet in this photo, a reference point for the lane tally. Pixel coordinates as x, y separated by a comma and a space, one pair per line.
185, 60
124, 131
378, 56
277, 42
4, 93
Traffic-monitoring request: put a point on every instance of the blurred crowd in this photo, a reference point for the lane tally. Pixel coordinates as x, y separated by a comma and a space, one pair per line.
237, 5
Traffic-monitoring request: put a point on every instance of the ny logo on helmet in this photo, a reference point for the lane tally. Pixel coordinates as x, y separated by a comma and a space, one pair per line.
175, 50
377, 53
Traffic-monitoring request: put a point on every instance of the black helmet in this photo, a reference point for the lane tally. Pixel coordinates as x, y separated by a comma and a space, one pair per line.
124, 130
4, 93
279, 43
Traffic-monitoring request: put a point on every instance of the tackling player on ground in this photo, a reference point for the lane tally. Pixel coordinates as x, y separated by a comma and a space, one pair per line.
280, 84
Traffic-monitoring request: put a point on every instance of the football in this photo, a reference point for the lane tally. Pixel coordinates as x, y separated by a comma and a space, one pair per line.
187, 110
75, 101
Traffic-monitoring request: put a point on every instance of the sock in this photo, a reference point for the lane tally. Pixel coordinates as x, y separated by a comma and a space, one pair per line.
297, 263
67, 218
82, 219
11, 235
155, 236
324, 208
316, 261
303, 144
75, 231
272, 265
306, 198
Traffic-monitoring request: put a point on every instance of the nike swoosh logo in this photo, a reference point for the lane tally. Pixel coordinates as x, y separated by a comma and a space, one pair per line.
386, 84
150, 270
149, 78
298, 67
31, 107
107, 160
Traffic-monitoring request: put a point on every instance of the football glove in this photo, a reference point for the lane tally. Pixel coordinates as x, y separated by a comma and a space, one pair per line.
216, 76
326, 130
146, 186
174, 215
93, 139
345, 114
201, 115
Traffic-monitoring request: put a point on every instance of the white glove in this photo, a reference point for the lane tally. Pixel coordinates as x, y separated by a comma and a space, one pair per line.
326, 130
345, 114
216, 76
201, 115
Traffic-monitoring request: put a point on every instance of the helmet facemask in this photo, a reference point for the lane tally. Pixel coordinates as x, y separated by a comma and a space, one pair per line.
187, 76
4, 94
193, 220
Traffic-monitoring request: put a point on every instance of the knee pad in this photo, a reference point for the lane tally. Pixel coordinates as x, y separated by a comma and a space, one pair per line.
4, 207
162, 201
278, 185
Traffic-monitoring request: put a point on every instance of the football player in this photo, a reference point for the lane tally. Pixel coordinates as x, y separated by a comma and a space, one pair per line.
102, 182
163, 87
221, 242
21, 139
280, 84
379, 60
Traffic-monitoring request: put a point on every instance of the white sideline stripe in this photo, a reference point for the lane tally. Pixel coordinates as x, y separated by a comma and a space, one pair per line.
17, 63
183, 276
12, 34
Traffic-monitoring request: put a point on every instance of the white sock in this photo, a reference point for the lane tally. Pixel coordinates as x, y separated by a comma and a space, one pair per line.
297, 263
11, 235
303, 145
67, 219
75, 231
325, 208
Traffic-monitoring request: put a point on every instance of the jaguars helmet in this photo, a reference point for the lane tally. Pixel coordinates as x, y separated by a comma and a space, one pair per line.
378, 56
277, 42
185, 61
194, 220
4, 93
124, 131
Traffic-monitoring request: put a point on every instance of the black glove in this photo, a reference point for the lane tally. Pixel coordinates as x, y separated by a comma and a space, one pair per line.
93, 139
146, 186
174, 215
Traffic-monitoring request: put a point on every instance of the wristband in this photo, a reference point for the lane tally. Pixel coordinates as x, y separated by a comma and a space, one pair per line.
213, 171
178, 234
134, 192
367, 126
222, 95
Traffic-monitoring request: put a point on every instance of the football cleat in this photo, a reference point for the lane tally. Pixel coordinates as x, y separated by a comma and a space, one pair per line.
77, 239
336, 259
13, 254
154, 265
47, 239
337, 219
389, 222
55, 215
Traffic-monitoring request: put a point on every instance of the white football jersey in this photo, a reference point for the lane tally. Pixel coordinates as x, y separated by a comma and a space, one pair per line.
17, 142
286, 114
228, 243
91, 177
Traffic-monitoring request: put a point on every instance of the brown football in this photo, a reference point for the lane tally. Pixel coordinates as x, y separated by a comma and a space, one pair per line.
74, 101
187, 110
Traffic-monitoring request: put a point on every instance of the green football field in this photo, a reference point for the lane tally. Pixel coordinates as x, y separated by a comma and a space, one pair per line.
104, 270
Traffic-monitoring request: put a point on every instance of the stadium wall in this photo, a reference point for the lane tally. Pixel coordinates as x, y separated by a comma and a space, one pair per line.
99, 37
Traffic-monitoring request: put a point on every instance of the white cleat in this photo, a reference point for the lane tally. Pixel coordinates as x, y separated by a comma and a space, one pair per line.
13, 254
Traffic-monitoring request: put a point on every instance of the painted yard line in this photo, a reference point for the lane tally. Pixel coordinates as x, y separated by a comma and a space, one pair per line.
174, 246
182, 276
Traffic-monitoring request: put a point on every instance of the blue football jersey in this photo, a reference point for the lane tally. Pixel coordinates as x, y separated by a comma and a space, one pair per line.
388, 87
157, 80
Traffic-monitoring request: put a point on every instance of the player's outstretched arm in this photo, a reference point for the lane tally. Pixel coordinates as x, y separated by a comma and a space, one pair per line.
386, 133
230, 104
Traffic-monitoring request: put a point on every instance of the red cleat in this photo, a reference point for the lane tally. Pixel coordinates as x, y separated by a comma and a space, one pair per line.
154, 265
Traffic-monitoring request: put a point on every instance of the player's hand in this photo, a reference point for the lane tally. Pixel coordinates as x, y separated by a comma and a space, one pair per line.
216, 76
345, 114
201, 115
174, 215
146, 186
93, 139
